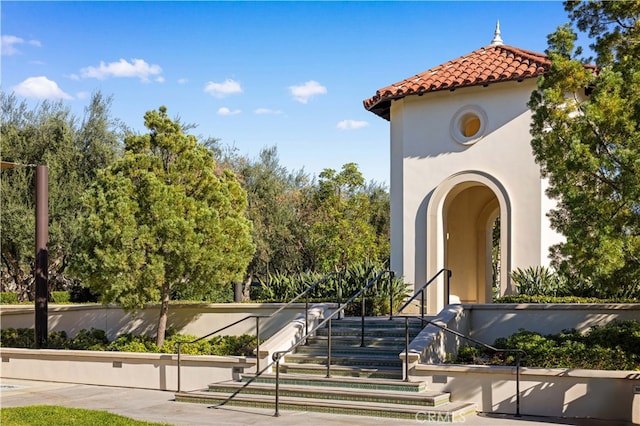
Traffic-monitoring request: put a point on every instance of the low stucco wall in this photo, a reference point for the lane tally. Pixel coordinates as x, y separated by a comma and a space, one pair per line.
486, 323
123, 369
194, 319
490, 321
613, 395
544, 392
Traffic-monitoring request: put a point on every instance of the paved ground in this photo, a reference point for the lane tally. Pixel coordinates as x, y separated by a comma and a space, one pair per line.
159, 406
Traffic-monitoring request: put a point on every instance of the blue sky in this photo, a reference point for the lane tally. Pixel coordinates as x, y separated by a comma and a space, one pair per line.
254, 74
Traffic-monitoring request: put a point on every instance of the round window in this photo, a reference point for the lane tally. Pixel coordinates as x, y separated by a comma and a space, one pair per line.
468, 125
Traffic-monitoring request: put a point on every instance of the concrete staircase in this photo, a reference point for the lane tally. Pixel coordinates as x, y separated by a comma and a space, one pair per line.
364, 380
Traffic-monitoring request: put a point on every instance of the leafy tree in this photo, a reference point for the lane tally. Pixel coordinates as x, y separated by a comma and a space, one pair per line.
586, 137
161, 219
48, 135
338, 213
380, 218
273, 195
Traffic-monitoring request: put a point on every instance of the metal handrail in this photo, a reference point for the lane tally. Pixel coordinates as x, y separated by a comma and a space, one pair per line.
519, 354
421, 292
257, 317
277, 356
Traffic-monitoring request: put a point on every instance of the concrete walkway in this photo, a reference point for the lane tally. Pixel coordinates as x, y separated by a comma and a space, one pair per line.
159, 406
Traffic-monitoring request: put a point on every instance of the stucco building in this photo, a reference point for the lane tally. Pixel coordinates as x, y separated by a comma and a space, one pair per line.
462, 165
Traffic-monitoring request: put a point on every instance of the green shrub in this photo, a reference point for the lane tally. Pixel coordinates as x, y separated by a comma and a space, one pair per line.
213, 294
8, 297
81, 294
96, 340
92, 340
524, 298
133, 343
18, 338
60, 297
377, 296
617, 334
243, 345
611, 347
201, 347
537, 281
283, 288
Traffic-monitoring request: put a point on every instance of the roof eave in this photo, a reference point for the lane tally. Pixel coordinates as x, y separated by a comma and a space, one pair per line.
382, 106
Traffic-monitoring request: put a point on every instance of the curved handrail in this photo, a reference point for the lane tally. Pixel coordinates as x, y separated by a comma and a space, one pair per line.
421, 291
277, 356
519, 355
257, 318
519, 352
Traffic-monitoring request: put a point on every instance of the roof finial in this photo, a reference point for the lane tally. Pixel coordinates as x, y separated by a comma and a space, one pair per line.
497, 41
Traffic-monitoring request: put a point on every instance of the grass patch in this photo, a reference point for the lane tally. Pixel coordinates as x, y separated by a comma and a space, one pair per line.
46, 415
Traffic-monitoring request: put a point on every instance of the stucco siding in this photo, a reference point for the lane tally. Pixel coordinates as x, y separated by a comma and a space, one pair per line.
424, 154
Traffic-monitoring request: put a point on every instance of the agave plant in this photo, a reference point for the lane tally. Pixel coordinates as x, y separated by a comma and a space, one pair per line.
536, 281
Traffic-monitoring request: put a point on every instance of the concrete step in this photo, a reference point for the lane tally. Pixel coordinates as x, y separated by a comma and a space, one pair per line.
320, 349
424, 398
450, 412
368, 384
368, 332
343, 370
377, 322
353, 360
378, 342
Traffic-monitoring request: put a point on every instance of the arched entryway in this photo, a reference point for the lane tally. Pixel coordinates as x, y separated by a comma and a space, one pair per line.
468, 227
469, 215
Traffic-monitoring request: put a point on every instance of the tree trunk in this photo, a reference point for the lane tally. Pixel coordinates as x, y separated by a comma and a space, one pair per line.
246, 293
162, 320
14, 270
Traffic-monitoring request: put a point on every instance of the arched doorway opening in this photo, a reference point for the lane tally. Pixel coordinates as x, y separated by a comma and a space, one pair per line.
470, 215
468, 232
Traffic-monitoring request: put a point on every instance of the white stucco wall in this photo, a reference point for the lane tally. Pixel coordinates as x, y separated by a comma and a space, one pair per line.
424, 156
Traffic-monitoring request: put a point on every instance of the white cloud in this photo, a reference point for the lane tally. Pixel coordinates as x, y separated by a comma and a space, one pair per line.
82, 95
9, 43
136, 68
302, 93
226, 88
183, 81
227, 111
160, 79
267, 111
352, 124
40, 88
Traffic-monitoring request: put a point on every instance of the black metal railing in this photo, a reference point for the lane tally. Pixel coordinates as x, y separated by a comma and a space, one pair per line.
519, 355
306, 293
277, 356
421, 292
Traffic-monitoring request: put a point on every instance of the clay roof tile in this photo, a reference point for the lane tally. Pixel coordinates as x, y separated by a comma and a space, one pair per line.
486, 65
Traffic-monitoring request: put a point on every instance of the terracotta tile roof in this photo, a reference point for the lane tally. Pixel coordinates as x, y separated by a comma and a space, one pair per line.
487, 65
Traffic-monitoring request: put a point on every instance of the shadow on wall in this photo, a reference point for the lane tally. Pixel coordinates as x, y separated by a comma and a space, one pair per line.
489, 322
115, 322
572, 397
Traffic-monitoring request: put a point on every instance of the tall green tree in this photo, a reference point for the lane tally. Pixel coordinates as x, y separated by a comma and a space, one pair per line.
50, 135
586, 138
273, 195
161, 219
338, 212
